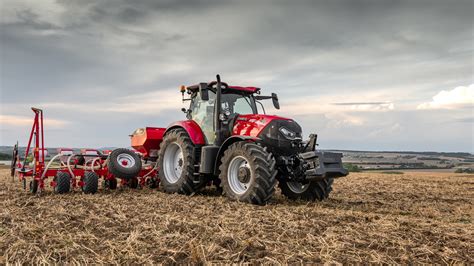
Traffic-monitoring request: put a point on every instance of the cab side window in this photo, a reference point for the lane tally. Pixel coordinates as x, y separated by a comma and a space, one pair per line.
202, 112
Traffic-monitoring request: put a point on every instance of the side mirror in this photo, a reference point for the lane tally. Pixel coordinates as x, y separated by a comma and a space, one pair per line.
204, 91
187, 112
276, 103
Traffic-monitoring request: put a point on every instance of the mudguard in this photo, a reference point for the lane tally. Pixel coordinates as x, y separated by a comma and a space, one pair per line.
193, 129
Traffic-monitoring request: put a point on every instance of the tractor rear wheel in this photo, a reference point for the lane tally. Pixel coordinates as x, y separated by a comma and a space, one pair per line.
248, 173
63, 182
176, 163
311, 191
91, 183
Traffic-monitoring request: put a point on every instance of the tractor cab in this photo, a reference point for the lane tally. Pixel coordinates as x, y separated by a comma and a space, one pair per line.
234, 101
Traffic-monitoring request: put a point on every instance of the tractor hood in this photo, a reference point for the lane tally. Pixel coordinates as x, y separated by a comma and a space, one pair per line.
281, 135
253, 125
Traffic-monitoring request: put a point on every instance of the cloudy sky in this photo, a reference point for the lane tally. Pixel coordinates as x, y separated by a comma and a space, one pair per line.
371, 75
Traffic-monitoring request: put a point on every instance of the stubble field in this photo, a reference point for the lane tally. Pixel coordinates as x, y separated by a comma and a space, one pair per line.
369, 217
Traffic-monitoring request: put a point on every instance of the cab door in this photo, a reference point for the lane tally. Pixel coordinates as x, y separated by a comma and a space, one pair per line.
202, 112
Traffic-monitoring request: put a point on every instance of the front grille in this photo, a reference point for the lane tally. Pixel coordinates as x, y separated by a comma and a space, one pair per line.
277, 142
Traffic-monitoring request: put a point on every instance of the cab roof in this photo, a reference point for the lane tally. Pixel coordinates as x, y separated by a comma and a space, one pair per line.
227, 87
245, 89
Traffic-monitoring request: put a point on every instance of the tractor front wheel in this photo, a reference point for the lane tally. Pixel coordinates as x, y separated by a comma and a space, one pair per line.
248, 173
176, 163
311, 191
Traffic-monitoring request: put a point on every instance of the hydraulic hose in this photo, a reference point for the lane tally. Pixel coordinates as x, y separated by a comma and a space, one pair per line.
93, 160
49, 164
151, 171
69, 166
93, 164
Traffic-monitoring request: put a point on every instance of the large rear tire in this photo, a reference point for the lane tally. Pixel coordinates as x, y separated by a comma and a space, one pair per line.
176, 162
311, 191
63, 183
248, 173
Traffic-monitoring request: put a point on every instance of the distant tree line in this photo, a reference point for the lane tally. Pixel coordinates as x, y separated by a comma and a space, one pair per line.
4, 156
462, 155
352, 167
465, 170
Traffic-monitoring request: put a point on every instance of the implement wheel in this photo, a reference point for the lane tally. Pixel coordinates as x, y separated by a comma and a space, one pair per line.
176, 163
34, 186
153, 182
13, 161
91, 183
124, 163
248, 173
110, 184
311, 191
63, 183
133, 183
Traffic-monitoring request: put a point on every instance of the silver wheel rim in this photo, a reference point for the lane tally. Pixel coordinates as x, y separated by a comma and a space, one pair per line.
173, 163
235, 184
297, 187
126, 160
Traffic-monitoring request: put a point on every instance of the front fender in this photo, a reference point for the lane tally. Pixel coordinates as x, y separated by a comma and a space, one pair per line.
193, 129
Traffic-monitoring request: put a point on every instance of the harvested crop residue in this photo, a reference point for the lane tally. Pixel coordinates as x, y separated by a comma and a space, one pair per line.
370, 217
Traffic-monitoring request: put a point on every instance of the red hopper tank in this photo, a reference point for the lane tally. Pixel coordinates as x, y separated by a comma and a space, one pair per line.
147, 140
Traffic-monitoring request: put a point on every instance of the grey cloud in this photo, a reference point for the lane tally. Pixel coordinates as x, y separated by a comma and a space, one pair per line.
465, 120
99, 51
362, 103
30, 19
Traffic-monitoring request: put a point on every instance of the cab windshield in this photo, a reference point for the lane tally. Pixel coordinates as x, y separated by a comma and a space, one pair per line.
238, 104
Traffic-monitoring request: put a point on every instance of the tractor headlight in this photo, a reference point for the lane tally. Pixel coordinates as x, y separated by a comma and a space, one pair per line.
288, 133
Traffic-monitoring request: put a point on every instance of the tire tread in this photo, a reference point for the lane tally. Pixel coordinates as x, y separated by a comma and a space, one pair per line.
186, 183
63, 183
317, 190
264, 172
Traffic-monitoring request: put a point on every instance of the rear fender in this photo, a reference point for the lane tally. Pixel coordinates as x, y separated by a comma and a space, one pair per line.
231, 140
192, 128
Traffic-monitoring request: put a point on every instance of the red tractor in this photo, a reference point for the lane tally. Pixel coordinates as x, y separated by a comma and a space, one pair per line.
226, 142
